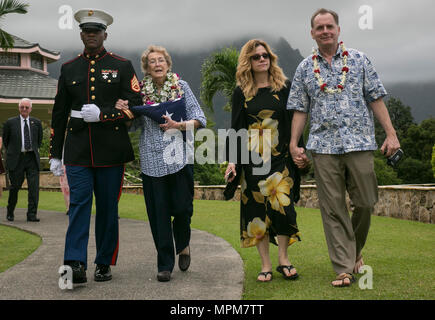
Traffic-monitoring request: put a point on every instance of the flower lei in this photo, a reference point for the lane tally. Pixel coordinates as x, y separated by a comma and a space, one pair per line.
323, 85
171, 89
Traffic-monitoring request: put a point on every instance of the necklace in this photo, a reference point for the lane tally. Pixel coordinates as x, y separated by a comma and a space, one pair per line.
170, 91
323, 85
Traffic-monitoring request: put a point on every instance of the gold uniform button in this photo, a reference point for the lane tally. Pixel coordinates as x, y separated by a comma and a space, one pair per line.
113, 115
105, 116
92, 62
97, 56
93, 97
109, 81
92, 70
92, 79
92, 88
88, 56
73, 82
116, 128
70, 129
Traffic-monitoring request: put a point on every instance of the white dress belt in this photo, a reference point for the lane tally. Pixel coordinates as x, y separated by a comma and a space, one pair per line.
76, 114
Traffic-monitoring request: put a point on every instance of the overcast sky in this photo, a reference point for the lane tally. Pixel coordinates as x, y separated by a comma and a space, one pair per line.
400, 43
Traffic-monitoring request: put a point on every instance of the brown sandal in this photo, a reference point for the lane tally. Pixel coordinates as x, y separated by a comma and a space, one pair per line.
341, 277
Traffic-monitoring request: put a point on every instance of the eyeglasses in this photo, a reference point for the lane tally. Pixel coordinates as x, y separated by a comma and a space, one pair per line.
257, 57
153, 61
24, 107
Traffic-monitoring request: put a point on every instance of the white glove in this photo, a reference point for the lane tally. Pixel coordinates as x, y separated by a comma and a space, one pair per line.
90, 113
56, 167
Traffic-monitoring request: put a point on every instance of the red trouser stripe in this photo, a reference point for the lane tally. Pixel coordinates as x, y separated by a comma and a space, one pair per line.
115, 254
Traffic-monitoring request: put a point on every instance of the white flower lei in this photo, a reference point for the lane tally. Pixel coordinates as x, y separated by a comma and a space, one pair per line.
323, 85
171, 89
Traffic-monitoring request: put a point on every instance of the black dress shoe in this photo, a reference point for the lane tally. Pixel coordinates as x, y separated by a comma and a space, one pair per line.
32, 219
102, 273
79, 272
10, 217
184, 261
164, 276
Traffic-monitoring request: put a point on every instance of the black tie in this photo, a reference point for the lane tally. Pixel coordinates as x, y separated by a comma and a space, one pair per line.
27, 145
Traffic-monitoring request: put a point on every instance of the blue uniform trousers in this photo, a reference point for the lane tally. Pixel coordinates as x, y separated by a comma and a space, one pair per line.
106, 184
166, 197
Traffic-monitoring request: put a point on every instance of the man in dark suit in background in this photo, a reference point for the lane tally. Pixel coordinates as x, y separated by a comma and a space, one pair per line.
22, 138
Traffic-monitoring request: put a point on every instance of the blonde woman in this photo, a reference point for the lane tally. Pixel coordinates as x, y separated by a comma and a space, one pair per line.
267, 201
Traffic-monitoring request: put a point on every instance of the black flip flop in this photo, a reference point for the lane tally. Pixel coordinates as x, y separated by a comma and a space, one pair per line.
265, 274
280, 269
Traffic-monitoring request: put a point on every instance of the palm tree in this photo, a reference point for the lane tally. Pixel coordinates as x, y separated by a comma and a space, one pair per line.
6, 7
218, 74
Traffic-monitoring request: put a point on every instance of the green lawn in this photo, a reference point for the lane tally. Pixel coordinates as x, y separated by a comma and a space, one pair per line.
401, 253
15, 245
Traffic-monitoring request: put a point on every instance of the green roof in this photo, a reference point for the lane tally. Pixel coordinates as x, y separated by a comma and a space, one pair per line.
21, 43
16, 84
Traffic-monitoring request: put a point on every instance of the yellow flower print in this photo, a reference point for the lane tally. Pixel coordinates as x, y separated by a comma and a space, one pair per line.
294, 238
243, 186
256, 228
277, 190
247, 242
260, 143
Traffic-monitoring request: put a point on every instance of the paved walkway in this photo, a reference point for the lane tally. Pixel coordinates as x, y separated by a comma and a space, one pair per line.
216, 270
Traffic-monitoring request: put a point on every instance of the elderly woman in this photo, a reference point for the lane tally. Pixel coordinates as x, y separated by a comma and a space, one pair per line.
167, 185
267, 201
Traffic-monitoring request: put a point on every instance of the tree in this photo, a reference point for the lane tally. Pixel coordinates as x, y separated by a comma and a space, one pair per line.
7, 7
385, 174
401, 118
417, 145
218, 74
419, 140
412, 170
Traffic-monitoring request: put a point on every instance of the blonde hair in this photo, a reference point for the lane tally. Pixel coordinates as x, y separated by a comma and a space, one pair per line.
245, 76
151, 49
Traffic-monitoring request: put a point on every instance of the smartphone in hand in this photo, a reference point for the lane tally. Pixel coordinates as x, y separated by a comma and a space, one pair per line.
395, 158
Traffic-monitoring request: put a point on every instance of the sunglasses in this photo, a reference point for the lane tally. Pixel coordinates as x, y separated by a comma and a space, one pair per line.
257, 57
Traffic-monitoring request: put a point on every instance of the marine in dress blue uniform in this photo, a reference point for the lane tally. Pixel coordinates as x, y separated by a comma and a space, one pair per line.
93, 137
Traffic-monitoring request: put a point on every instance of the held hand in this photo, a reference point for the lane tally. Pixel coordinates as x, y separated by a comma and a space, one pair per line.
230, 172
169, 124
299, 157
56, 167
305, 162
90, 113
121, 104
390, 146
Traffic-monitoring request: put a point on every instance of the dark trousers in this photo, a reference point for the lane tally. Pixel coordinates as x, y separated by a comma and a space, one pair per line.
26, 167
106, 184
166, 197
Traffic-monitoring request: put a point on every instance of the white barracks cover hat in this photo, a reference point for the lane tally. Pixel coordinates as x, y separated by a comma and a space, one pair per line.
93, 19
